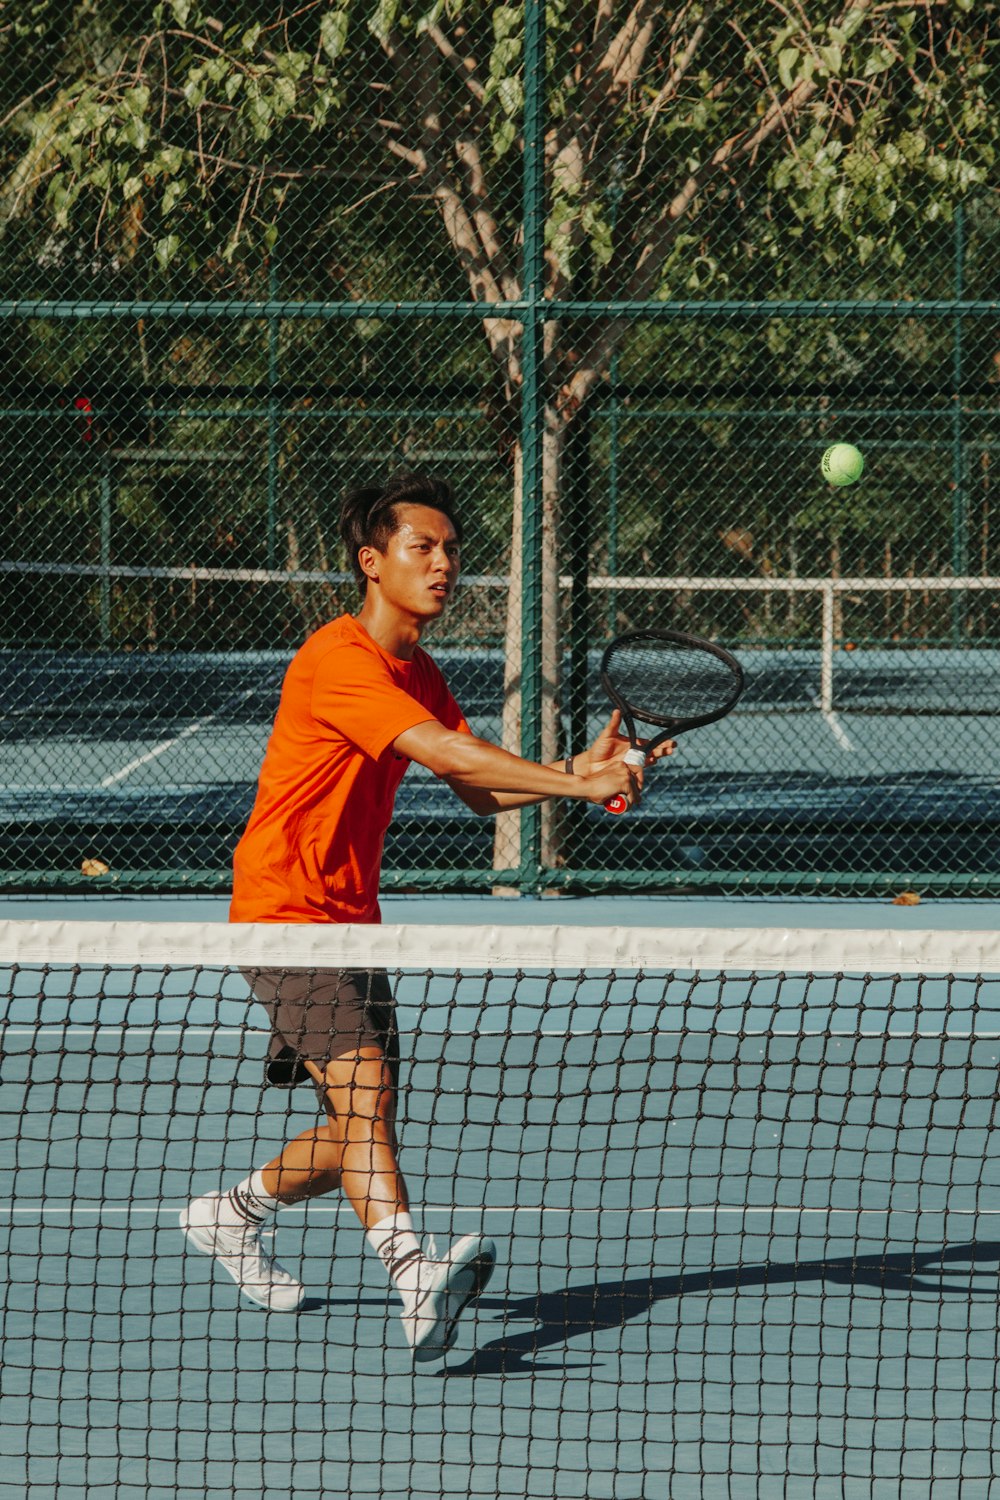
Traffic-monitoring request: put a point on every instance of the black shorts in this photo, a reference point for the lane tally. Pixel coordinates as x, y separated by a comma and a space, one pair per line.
324, 1014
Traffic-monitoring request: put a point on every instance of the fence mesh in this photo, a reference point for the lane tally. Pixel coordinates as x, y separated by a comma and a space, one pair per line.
252, 262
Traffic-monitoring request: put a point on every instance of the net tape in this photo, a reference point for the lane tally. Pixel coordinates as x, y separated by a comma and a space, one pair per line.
454, 947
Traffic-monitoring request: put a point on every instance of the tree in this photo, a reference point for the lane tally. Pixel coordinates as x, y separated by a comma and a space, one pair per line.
686, 145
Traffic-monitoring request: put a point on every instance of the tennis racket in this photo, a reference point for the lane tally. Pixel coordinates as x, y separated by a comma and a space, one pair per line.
670, 680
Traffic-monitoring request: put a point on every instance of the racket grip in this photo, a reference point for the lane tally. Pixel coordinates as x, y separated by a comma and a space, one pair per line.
618, 804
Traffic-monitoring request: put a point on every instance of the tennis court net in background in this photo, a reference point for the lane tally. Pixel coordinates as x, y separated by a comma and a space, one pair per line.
744, 1187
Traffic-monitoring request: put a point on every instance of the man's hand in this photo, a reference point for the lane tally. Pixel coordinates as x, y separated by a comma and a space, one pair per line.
614, 779
609, 748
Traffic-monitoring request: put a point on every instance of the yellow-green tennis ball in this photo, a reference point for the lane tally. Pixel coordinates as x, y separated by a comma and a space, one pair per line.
842, 464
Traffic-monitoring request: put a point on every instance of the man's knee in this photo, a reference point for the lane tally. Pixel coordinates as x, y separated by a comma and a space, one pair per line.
359, 1084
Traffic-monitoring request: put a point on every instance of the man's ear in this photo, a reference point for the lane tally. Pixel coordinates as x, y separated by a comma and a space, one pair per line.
368, 559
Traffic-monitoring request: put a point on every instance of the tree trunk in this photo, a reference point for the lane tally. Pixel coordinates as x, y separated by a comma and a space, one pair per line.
507, 842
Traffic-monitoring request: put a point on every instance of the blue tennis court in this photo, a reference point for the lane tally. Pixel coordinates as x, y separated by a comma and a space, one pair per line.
745, 1223
151, 760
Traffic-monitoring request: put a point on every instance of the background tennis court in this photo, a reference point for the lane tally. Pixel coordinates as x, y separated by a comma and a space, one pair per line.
129, 759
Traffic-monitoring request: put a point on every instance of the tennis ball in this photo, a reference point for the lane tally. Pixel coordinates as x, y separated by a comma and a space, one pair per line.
842, 464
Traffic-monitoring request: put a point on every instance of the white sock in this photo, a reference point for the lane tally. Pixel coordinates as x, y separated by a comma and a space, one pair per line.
248, 1202
397, 1247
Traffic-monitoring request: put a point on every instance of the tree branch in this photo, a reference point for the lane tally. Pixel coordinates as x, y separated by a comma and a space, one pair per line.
473, 235
465, 66
654, 251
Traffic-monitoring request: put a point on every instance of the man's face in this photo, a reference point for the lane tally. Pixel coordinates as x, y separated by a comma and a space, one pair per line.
418, 571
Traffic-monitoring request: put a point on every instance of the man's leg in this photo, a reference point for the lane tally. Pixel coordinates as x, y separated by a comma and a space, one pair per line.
360, 1096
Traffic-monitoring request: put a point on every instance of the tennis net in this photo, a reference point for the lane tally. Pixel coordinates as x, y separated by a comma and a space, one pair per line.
743, 1184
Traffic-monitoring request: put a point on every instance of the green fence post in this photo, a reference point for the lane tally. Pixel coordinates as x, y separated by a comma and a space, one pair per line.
532, 418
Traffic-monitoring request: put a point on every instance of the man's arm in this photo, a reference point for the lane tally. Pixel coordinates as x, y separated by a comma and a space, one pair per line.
490, 779
485, 803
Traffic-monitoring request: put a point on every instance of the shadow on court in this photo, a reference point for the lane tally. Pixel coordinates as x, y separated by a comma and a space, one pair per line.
578, 1311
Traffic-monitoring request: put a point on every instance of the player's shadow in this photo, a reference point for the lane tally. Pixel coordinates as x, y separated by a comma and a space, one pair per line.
557, 1317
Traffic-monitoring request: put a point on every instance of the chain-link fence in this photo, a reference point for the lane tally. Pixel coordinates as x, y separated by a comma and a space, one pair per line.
204, 346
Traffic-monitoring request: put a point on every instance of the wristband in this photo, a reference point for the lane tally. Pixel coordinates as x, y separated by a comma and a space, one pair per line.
569, 765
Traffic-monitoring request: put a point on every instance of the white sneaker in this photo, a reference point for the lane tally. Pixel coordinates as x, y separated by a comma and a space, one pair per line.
446, 1288
241, 1255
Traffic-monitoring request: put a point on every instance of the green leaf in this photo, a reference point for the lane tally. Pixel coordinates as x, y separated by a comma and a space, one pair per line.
136, 133
511, 96
333, 33
182, 11
168, 159
194, 89
503, 134
292, 64
789, 60
260, 117
505, 56
284, 95
506, 20
136, 101
172, 195
166, 249
879, 62
833, 59
383, 19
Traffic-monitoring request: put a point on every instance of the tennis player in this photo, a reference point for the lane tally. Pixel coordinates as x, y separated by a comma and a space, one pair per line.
360, 701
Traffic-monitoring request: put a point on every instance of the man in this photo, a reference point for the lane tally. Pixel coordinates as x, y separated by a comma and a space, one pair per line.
359, 702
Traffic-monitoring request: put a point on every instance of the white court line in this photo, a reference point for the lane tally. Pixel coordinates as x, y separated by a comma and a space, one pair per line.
166, 745
182, 1031
129, 1210
839, 732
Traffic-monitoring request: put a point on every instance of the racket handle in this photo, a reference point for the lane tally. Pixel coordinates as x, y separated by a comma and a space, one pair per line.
619, 804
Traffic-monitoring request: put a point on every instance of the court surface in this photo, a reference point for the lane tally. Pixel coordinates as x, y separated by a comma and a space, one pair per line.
742, 1253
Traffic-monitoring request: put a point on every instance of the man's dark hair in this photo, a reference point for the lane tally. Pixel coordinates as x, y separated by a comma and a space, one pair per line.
368, 517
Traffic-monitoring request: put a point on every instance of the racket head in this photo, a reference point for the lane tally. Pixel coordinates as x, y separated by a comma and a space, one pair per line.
669, 679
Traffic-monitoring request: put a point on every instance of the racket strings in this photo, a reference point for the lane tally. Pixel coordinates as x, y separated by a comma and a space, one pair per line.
699, 681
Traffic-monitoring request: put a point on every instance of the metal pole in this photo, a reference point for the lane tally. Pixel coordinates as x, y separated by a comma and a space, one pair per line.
959, 545
826, 650
532, 419
614, 438
105, 549
273, 420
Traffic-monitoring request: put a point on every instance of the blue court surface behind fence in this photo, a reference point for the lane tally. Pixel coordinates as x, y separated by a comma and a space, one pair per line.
149, 763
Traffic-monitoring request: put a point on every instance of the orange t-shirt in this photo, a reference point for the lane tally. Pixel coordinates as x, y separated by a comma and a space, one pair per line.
312, 850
